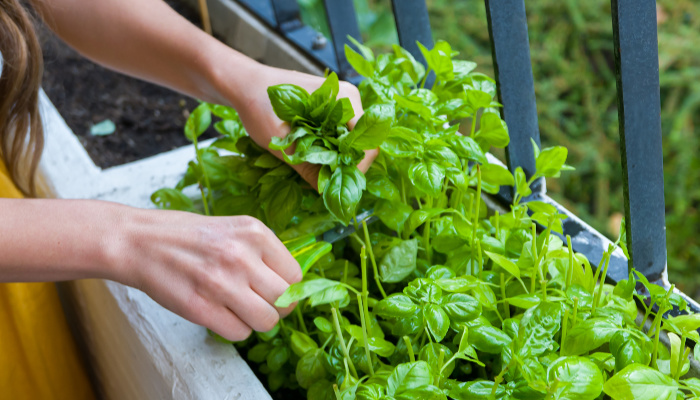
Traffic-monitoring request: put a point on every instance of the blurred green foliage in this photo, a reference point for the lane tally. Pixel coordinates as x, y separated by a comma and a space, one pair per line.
571, 46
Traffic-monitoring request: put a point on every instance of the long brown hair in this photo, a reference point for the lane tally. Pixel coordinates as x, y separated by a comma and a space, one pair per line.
21, 131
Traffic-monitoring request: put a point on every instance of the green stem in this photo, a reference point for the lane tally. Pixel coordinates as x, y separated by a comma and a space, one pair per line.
409, 348
425, 77
300, 317
441, 360
363, 322
570, 270
575, 314
564, 328
479, 257
339, 332
599, 292
368, 244
506, 306
475, 216
207, 198
497, 218
679, 362
533, 275
426, 234
336, 391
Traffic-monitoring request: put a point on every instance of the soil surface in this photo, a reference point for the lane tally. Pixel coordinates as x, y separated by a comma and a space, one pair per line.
149, 119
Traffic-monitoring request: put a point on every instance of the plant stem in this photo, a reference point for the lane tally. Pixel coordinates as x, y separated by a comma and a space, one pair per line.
368, 244
506, 306
599, 292
425, 77
409, 348
564, 328
575, 315
339, 332
680, 361
363, 322
534, 259
570, 270
300, 317
497, 218
441, 360
336, 391
426, 235
478, 204
479, 258
207, 198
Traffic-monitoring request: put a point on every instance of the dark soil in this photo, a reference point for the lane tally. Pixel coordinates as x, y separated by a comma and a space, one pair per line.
149, 119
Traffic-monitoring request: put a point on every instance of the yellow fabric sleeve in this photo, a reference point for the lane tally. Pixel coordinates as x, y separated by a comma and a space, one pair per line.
38, 357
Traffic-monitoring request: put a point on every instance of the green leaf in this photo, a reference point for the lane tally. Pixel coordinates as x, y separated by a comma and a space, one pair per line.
408, 376
288, 101
550, 161
427, 176
466, 147
493, 176
399, 262
380, 185
402, 142
686, 323
575, 378
629, 348
504, 263
437, 151
589, 335
361, 65
371, 129
343, 192
323, 96
461, 307
310, 368
493, 131
639, 382
487, 338
323, 325
396, 305
437, 320
198, 122
172, 199
302, 290
277, 357
301, 343
393, 213
521, 185
308, 256
330, 295
282, 205
430, 353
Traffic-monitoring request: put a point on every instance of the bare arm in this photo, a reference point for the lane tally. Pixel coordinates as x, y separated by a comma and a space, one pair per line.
223, 273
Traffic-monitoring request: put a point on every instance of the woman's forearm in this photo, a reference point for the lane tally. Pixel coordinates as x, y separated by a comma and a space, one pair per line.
54, 240
149, 40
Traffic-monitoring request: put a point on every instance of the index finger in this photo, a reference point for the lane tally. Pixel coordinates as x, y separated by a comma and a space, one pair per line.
278, 259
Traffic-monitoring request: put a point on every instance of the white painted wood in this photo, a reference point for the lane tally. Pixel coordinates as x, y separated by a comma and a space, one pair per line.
137, 349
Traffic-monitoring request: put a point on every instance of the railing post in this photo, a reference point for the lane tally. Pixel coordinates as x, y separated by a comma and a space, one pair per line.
287, 14
342, 21
413, 25
637, 72
516, 88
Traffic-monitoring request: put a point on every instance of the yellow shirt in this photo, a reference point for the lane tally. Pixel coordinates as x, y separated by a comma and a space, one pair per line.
38, 357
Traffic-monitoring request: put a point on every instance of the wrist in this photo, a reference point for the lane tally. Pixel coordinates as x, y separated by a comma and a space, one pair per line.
229, 75
120, 244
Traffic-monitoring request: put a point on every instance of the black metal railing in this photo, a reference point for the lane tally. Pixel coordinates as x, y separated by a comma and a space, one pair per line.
637, 71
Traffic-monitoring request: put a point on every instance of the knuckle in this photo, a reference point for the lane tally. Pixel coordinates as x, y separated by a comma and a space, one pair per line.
241, 333
295, 274
268, 322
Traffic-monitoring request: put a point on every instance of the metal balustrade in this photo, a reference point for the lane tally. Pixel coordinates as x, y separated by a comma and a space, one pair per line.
637, 72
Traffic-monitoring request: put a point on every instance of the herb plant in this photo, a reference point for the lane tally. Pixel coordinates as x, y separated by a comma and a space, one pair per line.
441, 298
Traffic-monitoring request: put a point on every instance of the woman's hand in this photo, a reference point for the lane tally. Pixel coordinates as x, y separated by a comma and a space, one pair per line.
259, 119
224, 273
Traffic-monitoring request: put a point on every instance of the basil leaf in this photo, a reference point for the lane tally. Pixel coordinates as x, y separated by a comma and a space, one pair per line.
288, 101
466, 147
281, 206
371, 129
302, 290
629, 349
437, 320
399, 262
461, 307
343, 192
408, 376
588, 335
396, 305
310, 368
550, 161
639, 382
358, 62
575, 378
172, 199
198, 122
427, 176
493, 131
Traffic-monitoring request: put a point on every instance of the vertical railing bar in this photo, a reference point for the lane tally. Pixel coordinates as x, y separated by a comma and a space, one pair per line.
510, 48
637, 73
287, 14
342, 21
413, 25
